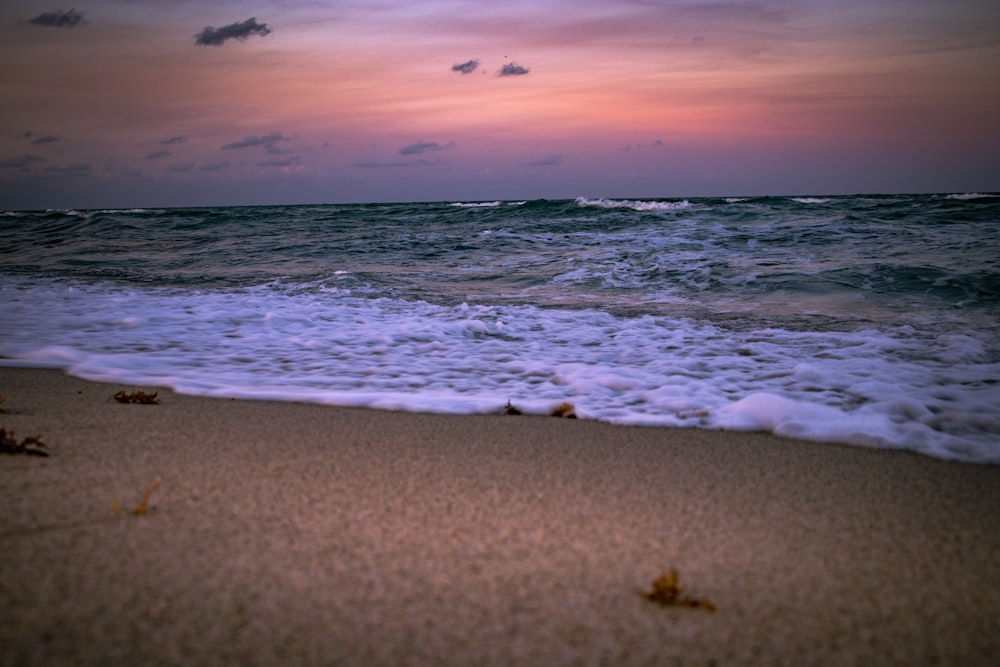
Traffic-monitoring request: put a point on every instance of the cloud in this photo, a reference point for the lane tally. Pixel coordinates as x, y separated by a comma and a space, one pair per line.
171, 141
397, 163
512, 69
466, 67
156, 154
47, 139
290, 161
424, 146
210, 36
267, 141
74, 169
180, 167
548, 161
21, 162
58, 19
214, 166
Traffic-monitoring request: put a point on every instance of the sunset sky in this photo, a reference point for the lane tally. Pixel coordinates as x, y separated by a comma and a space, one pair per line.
123, 103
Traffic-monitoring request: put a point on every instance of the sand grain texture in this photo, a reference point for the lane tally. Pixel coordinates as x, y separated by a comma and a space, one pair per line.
284, 533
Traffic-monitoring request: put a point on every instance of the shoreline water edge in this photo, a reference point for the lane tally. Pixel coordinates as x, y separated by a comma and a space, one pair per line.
864, 320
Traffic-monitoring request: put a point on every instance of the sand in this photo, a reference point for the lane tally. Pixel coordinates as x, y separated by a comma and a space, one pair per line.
284, 533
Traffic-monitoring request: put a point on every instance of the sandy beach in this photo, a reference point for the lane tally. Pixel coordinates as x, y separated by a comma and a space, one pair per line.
284, 533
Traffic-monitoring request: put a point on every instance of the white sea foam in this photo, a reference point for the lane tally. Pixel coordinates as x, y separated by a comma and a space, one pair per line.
634, 204
811, 200
971, 195
895, 387
480, 204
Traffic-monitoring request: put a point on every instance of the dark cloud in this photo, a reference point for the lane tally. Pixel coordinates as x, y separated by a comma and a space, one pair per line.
267, 141
21, 162
424, 146
58, 19
214, 166
512, 69
172, 141
210, 36
547, 161
156, 154
47, 139
466, 68
180, 167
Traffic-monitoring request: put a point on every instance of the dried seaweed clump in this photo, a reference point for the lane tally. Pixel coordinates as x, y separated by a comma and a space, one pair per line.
137, 397
564, 410
668, 593
31, 446
510, 409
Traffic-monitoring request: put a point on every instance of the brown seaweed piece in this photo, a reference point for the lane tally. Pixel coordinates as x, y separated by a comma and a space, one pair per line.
143, 506
137, 397
31, 446
510, 409
564, 410
668, 593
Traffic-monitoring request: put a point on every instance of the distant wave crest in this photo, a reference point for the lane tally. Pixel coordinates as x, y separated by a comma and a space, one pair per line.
968, 196
811, 200
634, 204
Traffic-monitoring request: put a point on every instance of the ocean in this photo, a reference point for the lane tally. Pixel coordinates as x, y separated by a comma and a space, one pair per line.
860, 320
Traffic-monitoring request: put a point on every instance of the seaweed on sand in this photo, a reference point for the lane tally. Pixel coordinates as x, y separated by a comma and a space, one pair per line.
668, 593
510, 409
137, 397
564, 410
32, 446
144, 505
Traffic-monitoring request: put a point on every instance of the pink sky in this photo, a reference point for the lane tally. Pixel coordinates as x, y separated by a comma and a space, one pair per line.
115, 104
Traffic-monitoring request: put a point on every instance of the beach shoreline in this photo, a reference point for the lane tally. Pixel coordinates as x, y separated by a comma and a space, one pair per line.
310, 534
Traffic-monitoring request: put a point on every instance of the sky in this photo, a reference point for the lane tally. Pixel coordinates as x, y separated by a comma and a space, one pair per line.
137, 103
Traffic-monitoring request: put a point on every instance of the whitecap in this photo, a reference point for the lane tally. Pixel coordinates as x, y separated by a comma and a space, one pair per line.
634, 204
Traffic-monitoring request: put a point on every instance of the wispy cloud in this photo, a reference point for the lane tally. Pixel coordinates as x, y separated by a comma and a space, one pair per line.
157, 154
214, 166
548, 161
47, 139
211, 36
513, 69
172, 141
396, 163
290, 161
22, 162
267, 141
69, 18
466, 67
425, 146
180, 167
73, 169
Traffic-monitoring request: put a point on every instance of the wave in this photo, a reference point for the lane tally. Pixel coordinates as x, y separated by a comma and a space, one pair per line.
481, 204
634, 204
972, 196
811, 200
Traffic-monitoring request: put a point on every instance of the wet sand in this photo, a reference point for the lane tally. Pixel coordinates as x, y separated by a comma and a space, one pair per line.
284, 533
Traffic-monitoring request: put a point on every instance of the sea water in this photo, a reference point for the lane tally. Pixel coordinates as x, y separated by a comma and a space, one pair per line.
862, 320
